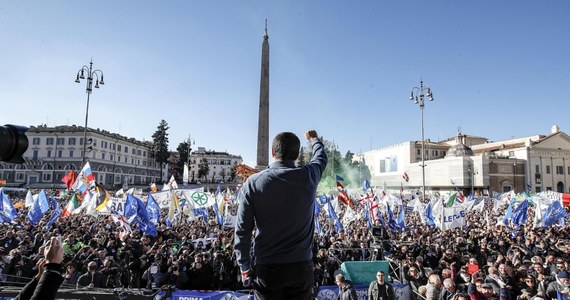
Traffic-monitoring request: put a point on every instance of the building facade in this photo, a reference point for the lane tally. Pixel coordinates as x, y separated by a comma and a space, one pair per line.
474, 165
52, 151
216, 166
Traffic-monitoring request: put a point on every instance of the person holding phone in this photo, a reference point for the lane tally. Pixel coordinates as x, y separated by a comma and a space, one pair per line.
48, 280
92, 278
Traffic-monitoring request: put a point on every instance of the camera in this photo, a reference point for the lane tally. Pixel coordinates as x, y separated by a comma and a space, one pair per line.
13, 143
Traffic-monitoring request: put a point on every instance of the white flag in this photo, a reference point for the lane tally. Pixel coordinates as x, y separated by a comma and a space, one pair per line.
453, 217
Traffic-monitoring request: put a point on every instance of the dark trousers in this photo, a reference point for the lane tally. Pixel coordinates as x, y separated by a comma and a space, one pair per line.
284, 281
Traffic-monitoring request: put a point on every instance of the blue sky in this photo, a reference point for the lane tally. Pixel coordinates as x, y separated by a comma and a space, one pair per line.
498, 69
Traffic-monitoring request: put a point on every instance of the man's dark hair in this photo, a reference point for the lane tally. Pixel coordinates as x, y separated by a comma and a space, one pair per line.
286, 146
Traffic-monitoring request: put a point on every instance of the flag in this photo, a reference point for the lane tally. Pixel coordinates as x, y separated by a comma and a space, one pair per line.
219, 196
520, 213
101, 197
508, 215
453, 217
153, 209
553, 213
428, 214
203, 212
366, 185
401, 221
131, 206
451, 200
29, 199
174, 205
343, 196
406, 177
71, 206
145, 225
391, 221
85, 179
172, 183
185, 174
69, 179
332, 215
367, 215
7, 210
122, 224
55, 215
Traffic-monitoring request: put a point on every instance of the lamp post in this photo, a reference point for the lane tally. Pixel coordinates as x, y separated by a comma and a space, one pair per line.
514, 176
91, 74
417, 95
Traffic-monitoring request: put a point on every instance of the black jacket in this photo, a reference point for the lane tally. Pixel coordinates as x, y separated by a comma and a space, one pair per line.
45, 288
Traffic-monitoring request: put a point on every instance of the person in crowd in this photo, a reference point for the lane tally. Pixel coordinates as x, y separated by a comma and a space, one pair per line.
280, 202
560, 286
449, 291
433, 287
71, 275
346, 290
379, 289
92, 278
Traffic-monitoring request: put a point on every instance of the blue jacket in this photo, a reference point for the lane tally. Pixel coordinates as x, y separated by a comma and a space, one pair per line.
279, 203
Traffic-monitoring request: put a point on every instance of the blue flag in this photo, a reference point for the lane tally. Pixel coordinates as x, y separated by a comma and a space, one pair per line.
202, 212
38, 208
339, 178
131, 206
333, 215
7, 210
145, 225
153, 209
367, 214
521, 213
317, 210
366, 185
401, 221
509, 214
219, 216
167, 222
553, 213
55, 215
430, 219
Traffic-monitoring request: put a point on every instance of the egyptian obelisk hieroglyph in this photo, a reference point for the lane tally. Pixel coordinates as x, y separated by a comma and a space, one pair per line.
263, 121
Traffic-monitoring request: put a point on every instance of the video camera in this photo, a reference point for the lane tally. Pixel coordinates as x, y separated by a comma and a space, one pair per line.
13, 143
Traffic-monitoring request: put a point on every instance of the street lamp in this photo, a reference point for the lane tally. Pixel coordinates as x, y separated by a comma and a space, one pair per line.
514, 176
89, 88
417, 95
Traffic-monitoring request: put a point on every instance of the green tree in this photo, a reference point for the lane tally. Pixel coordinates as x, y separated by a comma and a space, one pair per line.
301, 159
203, 169
160, 143
233, 172
223, 173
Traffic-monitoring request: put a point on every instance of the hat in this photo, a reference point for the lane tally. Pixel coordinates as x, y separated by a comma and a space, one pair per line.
562, 274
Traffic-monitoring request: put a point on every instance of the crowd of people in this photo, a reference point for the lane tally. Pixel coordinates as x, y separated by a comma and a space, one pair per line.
478, 261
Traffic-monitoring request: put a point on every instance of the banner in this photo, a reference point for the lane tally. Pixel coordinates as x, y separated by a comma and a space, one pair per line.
401, 291
163, 198
453, 217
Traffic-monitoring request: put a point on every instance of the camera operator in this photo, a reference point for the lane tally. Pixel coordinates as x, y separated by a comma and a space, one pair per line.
174, 277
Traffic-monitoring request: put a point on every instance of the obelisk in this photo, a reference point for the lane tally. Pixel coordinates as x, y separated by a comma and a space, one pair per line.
263, 121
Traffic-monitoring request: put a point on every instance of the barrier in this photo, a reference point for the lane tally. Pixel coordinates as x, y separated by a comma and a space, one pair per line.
402, 292
364, 272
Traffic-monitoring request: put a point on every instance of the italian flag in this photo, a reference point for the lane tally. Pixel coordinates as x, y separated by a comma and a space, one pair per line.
72, 205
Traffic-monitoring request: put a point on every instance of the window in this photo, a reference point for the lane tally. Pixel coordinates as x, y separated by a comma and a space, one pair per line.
126, 150
49, 141
537, 178
59, 153
133, 151
46, 177
132, 161
36, 141
138, 152
418, 151
111, 157
35, 155
537, 169
20, 177
61, 141
81, 141
511, 154
70, 153
559, 170
538, 189
102, 155
569, 170
71, 141
547, 169
144, 155
549, 188
119, 158
118, 147
125, 158
49, 153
